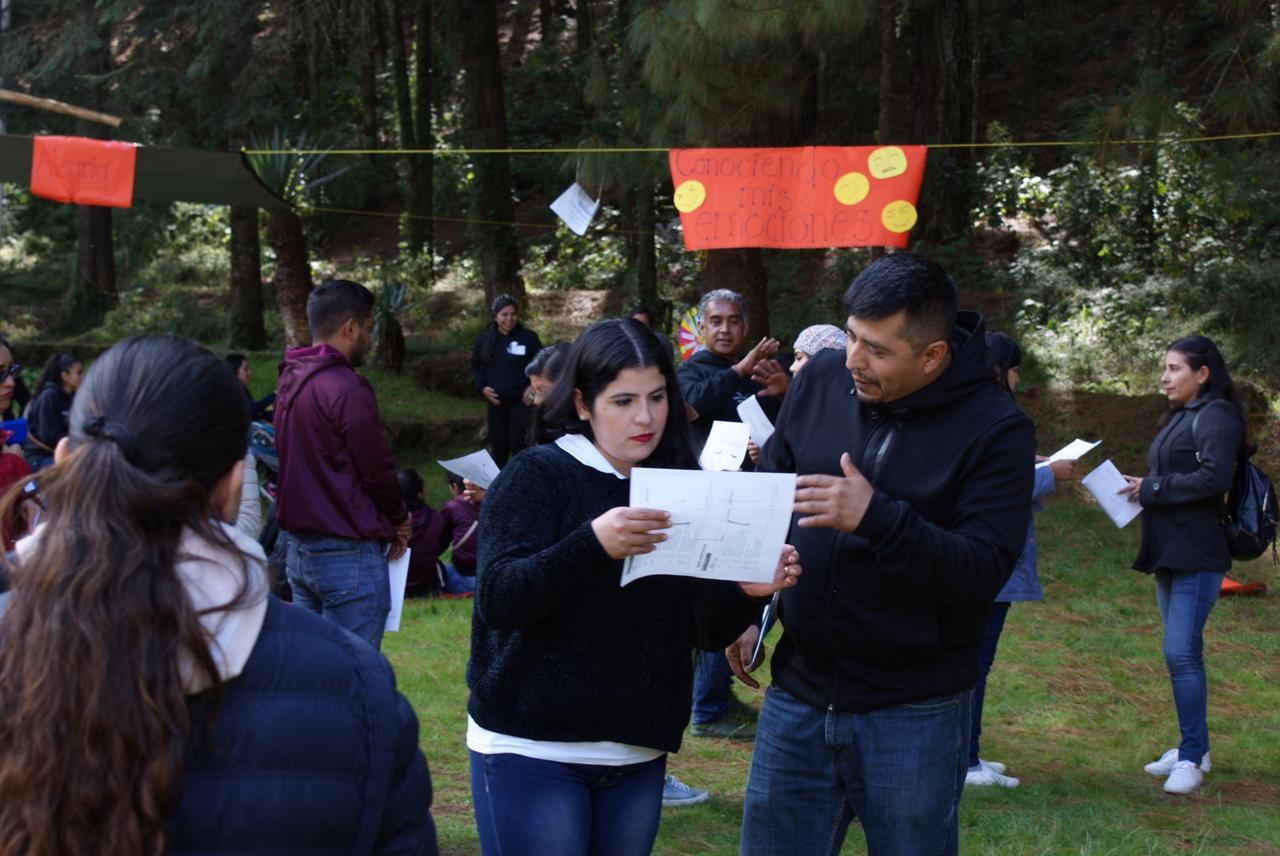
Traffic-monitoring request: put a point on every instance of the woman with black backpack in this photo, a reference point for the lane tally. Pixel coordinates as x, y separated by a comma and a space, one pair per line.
1190, 466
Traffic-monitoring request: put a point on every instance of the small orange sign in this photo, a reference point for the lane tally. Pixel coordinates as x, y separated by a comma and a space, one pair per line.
82, 171
797, 198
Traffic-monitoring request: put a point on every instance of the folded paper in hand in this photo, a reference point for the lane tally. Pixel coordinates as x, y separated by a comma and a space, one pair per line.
1105, 483
477, 468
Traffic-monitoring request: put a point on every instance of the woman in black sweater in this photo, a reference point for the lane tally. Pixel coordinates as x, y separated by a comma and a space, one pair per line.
498, 360
1189, 467
579, 687
47, 413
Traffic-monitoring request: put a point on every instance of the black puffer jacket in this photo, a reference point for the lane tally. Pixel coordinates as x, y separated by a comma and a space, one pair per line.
1188, 472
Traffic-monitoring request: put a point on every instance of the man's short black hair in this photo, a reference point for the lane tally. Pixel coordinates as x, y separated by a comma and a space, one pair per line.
906, 281
333, 302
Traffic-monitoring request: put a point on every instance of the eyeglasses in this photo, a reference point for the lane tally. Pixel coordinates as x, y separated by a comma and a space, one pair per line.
10, 371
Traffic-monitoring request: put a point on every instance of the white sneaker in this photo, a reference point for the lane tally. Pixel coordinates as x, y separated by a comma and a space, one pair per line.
1164, 766
1184, 778
986, 777
677, 793
993, 766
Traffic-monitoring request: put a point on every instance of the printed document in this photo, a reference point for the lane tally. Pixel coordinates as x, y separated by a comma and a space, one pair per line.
724, 525
752, 415
576, 208
399, 573
478, 467
1104, 483
1073, 451
726, 446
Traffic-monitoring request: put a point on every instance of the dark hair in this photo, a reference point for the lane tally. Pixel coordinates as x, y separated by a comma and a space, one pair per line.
596, 359
333, 303
1003, 354
910, 282
411, 487
93, 740
641, 309
1200, 351
549, 362
455, 480
490, 333
236, 360
53, 369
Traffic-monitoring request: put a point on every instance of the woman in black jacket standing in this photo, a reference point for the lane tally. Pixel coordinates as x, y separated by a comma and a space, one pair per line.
1190, 466
47, 413
498, 360
580, 686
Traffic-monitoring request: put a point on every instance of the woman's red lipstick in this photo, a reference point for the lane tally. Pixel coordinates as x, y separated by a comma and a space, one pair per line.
642, 438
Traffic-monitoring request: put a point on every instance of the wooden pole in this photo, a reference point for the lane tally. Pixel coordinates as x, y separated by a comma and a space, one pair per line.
59, 107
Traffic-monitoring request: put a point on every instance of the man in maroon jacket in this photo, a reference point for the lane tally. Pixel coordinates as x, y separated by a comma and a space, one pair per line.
339, 503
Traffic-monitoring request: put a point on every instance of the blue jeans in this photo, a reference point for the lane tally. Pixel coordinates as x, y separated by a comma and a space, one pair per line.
900, 770
712, 682
456, 583
986, 656
528, 806
345, 581
1185, 598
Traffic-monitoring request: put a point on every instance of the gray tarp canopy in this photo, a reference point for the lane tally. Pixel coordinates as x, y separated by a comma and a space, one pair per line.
166, 175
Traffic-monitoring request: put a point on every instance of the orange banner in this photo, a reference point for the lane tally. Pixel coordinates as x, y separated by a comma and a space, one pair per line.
83, 171
797, 198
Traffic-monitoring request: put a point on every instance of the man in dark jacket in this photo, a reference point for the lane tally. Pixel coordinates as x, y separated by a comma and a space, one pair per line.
911, 509
714, 382
339, 503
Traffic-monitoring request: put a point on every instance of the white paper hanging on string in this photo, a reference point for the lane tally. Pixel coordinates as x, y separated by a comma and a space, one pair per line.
576, 208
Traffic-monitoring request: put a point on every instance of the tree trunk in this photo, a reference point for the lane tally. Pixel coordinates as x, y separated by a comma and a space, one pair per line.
369, 57
546, 25
246, 326
742, 271
495, 239
888, 41
646, 256
292, 278
421, 234
584, 26
404, 116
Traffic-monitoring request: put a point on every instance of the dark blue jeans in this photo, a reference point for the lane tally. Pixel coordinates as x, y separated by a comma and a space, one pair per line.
1185, 599
900, 770
528, 807
712, 682
987, 656
345, 581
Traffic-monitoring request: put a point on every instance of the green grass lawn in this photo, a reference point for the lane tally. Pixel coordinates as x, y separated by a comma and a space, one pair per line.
1077, 702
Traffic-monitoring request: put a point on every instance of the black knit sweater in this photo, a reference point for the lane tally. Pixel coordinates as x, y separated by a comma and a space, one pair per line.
559, 651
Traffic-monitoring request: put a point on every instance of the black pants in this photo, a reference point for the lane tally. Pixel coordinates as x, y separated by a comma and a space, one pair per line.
508, 426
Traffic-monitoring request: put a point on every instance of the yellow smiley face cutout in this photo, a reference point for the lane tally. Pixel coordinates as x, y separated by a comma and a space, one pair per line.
898, 216
851, 188
887, 162
690, 195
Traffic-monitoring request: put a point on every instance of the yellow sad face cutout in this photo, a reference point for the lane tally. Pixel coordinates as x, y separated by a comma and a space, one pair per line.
851, 188
690, 195
898, 216
887, 162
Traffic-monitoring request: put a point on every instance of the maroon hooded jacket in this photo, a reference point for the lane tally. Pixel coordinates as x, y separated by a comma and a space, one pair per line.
337, 477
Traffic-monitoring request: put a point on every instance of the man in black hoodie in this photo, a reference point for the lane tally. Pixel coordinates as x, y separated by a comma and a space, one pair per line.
911, 510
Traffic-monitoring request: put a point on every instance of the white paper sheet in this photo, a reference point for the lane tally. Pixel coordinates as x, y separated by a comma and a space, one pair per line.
726, 446
1104, 483
576, 208
1073, 451
752, 415
399, 574
478, 467
724, 525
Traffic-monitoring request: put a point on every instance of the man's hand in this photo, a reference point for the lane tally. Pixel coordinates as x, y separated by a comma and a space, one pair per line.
785, 575
1132, 488
754, 451
739, 656
626, 531
401, 543
491, 395
770, 375
839, 503
764, 349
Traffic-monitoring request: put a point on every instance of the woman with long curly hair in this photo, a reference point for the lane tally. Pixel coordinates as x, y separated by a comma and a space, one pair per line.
153, 697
